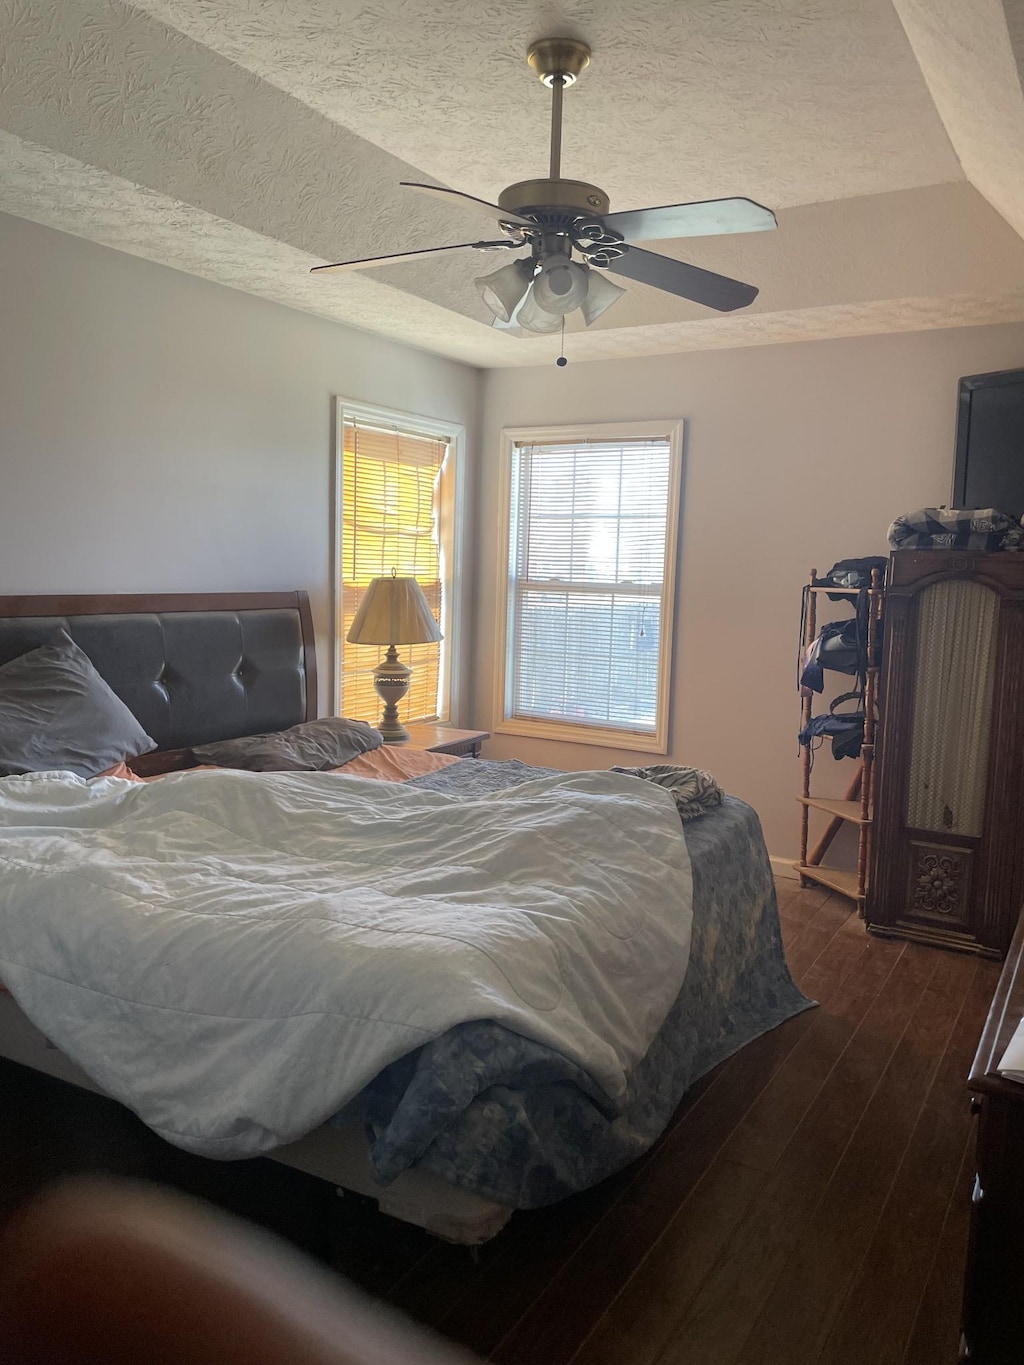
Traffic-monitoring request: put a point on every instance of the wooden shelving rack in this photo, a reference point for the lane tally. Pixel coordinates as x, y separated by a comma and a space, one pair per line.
857, 806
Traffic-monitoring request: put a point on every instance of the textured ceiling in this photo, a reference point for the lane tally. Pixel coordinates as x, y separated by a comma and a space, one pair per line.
788, 101
971, 53
246, 140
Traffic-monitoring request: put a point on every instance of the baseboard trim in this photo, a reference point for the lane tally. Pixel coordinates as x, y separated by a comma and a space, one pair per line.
783, 867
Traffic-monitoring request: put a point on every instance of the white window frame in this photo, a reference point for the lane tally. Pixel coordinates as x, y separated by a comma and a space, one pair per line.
452, 502
572, 732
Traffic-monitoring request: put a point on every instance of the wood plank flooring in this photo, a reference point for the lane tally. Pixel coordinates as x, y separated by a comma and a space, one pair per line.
807, 1206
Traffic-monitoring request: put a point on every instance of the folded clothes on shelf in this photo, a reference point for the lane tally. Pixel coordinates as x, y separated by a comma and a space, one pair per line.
981, 530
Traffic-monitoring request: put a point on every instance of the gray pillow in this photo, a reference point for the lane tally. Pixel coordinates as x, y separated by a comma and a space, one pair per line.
310, 747
56, 712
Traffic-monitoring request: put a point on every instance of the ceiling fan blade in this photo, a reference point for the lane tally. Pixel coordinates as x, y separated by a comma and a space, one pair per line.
502, 215
707, 218
688, 281
407, 256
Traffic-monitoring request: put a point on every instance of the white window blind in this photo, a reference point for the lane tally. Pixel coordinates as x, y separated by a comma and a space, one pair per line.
390, 512
587, 550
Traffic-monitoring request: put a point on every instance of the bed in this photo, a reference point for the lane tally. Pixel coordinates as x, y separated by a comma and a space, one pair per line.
455, 1134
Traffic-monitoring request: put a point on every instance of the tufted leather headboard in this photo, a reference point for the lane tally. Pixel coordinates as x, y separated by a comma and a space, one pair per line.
192, 667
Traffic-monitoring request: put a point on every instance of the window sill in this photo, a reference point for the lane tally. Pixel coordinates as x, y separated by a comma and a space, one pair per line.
630, 741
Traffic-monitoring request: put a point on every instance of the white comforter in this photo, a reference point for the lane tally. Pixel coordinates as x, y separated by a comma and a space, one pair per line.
236, 955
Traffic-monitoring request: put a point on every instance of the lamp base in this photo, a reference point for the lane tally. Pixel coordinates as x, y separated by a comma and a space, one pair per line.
391, 682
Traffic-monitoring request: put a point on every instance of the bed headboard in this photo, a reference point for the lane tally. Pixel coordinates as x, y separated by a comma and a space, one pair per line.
193, 667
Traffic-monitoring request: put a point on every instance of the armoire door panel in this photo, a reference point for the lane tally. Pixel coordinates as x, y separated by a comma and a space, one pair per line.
949, 772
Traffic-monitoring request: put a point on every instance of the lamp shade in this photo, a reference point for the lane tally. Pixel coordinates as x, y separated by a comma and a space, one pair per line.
393, 612
532, 318
503, 290
601, 294
561, 284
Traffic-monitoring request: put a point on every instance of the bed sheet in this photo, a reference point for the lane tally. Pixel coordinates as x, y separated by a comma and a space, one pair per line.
393, 763
514, 1121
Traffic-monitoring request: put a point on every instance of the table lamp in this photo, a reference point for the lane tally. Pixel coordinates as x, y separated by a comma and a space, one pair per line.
393, 612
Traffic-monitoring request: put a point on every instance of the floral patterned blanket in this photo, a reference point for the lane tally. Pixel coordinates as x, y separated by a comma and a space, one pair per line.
515, 1121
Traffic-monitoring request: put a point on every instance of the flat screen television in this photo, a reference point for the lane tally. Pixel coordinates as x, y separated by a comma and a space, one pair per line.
989, 470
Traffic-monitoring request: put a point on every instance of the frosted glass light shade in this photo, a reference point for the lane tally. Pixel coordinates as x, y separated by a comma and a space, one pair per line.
393, 612
601, 294
560, 286
532, 318
503, 290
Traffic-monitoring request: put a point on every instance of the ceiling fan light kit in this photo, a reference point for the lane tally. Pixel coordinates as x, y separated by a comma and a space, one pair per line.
503, 290
531, 317
559, 220
601, 294
560, 285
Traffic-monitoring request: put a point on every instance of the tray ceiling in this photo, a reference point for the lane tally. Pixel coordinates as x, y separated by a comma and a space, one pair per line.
246, 140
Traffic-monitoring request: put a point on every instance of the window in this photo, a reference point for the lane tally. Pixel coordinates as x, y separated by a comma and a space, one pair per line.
590, 567
396, 501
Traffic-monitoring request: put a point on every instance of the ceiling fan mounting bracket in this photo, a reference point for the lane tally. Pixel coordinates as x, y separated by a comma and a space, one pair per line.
553, 57
570, 197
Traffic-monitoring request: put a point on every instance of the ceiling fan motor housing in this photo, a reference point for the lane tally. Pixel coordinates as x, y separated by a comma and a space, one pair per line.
569, 198
569, 214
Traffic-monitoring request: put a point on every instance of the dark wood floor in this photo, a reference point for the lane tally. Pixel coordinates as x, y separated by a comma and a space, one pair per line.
808, 1205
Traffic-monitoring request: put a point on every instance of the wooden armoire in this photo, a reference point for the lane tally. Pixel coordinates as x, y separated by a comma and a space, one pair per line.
947, 861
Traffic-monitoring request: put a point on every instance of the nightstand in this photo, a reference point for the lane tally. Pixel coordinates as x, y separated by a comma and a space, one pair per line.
445, 739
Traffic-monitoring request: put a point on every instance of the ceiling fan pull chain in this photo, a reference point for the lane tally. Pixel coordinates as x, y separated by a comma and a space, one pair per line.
557, 86
561, 361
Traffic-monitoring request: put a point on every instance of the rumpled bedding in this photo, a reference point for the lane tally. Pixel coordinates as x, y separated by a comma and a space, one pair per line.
694, 791
517, 1121
500, 1114
320, 745
389, 762
236, 955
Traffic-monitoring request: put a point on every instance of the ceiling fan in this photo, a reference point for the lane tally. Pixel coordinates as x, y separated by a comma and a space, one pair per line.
560, 220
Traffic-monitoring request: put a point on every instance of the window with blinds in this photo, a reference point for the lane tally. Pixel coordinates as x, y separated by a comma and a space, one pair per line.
393, 515
591, 556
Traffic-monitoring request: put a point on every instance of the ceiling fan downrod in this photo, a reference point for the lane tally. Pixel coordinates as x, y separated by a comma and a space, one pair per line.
557, 62
555, 164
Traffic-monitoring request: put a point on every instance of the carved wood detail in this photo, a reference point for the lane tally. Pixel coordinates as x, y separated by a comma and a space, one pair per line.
939, 883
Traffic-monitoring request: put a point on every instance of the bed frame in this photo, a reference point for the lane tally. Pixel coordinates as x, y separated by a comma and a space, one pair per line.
197, 667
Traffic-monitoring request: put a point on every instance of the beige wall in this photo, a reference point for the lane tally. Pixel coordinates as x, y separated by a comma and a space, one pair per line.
796, 456
161, 433
158, 432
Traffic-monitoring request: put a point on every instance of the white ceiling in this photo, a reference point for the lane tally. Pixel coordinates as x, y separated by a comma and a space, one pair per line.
246, 140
